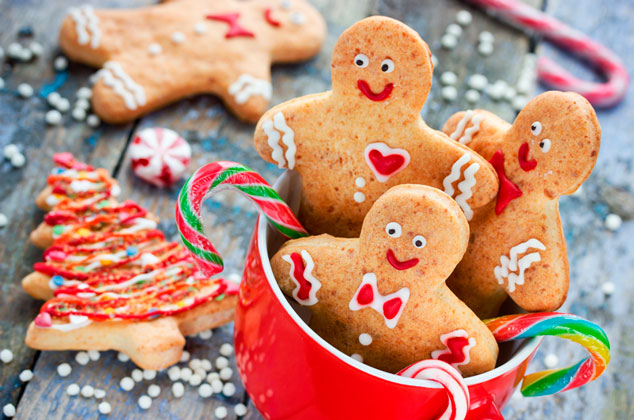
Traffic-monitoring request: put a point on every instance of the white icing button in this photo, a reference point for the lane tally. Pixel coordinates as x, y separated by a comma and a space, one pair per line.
448, 78
185, 356
240, 409
449, 41
472, 96
551, 360
478, 82
25, 90
365, 339
453, 29
94, 355
485, 48
127, 383
83, 93
360, 182
226, 373
82, 358
149, 374
200, 28
359, 197
72, 390
154, 390
123, 357
155, 49
64, 370
486, 36
178, 390
205, 335
357, 357
6, 356
145, 402
613, 222
178, 37
608, 288
104, 408
26, 375
53, 117
10, 150
87, 391
205, 391
229, 389
221, 412
463, 17
449, 93
137, 375
222, 362
60, 63
9, 410
93, 121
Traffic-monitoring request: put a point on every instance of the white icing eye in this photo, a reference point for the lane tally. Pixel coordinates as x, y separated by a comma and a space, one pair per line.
536, 128
544, 145
361, 61
387, 66
298, 18
393, 229
419, 241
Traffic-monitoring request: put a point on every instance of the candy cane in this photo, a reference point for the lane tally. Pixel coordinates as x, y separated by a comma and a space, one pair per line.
212, 178
599, 94
570, 327
449, 378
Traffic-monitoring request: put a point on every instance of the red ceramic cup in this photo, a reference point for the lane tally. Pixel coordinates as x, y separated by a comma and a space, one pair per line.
292, 373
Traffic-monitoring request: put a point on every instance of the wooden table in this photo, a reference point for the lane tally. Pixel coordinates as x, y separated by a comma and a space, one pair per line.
596, 254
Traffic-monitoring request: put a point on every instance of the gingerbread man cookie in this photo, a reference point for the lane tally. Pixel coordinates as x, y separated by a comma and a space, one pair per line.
382, 297
353, 143
155, 55
517, 246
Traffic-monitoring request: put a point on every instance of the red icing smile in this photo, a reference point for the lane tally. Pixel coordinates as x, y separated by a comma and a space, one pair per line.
365, 88
270, 19
400, 265
522, 157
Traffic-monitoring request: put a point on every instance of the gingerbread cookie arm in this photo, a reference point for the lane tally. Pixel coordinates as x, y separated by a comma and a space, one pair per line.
479, 130
36, 284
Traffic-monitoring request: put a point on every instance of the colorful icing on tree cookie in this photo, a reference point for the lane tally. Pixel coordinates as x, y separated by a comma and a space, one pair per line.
517, 245
353, 143
382, 297
155, 55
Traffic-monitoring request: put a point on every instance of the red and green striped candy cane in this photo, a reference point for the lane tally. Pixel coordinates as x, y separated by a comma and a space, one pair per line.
215, 177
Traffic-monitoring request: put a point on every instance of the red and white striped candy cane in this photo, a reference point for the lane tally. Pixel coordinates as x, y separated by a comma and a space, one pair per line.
449, 378
604, 94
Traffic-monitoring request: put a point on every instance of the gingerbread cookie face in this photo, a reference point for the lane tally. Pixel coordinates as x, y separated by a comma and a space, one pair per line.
381, 298
517, 245
353, 143
228, 46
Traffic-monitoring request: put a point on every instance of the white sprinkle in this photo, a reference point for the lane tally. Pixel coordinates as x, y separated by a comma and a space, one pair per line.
1, 83
185, 356
82, 358
519, 102
226, 373
186, 373
123, 357
206, 365
463, 17
217, 386
72, 390
26, 375
357, 357
485, 48
14, 50
486, 36
36, 48
178, 390
453, 29
137, 375
478, 82
155, 49
60, 63
496, 90
53, 98
194, 364
6, 356
174, 373
510, 93
213, 376
178, 37
524, 85
127, 383
93, 121
365, 339
1, 52
221, 362
434, 60
359, 197
205, 391
100, 394
359, 182
221, 412
53, 117
84, 92
82, 104
87, 391
63, 105
149, 374
234, 278
229, 389
10, 150
145, 402
4, 220
195, 379
551, 360
200, 28
25, 90
448, 78
227, 349
26, 55
9, 410
205, 335
154, 390
104, 408
472, 96
608, 288
240, 409
64, 370
613, 222
449, 93
449, 41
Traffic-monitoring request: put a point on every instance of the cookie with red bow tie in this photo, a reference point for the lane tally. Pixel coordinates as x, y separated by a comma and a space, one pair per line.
517, 245
366, 135
158, 54
382, 298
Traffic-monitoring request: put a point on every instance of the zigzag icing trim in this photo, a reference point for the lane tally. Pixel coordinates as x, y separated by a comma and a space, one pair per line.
86, 25
469, 132
466, 186
115, 77
247, 86
271, 128
315, 284
509, 265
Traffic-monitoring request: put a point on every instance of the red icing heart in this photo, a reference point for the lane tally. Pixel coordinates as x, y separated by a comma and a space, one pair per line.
366, 295
385, 161
391, 307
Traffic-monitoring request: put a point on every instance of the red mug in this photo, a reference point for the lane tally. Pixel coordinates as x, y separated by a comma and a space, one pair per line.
290, 372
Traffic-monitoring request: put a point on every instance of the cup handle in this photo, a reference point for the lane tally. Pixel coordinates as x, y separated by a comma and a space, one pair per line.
566, 326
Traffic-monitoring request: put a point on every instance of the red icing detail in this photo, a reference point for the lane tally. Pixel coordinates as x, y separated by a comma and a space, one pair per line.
67, 160
456, 346
234, 27
366, 295
400, 265
384, 94
386, 165
391, 307
522, 157
270, 19
298, 274
508, 191
43, 320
